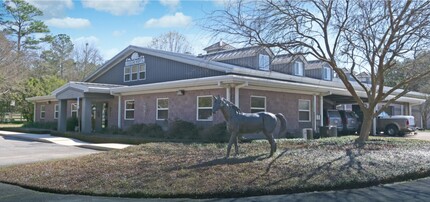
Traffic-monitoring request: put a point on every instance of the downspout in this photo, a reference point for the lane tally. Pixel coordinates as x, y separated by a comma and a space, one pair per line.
119, 111
34, 111
236, 92
314, 113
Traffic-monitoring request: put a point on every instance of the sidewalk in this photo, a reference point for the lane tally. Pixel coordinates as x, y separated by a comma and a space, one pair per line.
63, 141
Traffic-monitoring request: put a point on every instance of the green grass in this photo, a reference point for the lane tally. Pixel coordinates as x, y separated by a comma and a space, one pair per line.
200, 171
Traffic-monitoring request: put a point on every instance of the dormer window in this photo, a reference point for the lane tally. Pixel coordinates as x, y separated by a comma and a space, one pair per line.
135, 72
327, 73
298, 68
263, 62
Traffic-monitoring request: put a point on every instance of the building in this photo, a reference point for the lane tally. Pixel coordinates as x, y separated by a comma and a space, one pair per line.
142, 85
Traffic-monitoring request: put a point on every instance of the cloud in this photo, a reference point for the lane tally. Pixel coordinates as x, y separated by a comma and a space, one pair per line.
52, 8
114, 7
68, 22
141, 41
170, 3
110, 53
177, 20
118, 33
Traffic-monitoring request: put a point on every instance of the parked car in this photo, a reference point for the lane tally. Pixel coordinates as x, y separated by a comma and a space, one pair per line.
332, 118
395, 125
350, 122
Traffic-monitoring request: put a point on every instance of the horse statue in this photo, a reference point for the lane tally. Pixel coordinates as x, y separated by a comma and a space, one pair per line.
239, 123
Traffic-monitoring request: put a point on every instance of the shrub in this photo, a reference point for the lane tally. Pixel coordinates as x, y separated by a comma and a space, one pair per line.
215, 134
180, 129
145, 130
71, 123
42, 125
153, 130
134, 129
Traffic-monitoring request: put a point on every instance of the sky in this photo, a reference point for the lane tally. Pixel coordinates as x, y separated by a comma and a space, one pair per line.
112, 25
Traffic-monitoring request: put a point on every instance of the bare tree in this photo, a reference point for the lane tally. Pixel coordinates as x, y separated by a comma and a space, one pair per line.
358, 35
87, 59
171, 41
11, 71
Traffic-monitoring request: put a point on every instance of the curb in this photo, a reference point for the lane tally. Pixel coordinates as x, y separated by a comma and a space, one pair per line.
44, 140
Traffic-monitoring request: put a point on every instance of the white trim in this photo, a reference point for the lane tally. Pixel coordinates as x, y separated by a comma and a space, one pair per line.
125, 109
257, 108
156, 109
119, 111
56, 111
44, 112
302, 110
197, 107
300, 68
329, 76
72, 110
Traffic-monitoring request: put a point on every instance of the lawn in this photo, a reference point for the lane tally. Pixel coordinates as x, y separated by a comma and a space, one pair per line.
200, 171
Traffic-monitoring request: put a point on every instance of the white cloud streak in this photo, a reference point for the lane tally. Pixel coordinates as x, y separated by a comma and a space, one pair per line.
68, 23
167, 21
118, 8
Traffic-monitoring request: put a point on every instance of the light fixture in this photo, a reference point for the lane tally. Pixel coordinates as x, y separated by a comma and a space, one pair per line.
180, 92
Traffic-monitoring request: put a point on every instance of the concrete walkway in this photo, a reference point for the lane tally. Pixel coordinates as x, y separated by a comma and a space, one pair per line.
63, 141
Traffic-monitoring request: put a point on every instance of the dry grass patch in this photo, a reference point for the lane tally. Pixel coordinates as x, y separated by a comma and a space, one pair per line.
199, 170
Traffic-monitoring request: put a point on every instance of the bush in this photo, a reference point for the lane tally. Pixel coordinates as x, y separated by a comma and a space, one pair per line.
71, 123
180, 129
153, 130
145, 130
41, 125
215, 134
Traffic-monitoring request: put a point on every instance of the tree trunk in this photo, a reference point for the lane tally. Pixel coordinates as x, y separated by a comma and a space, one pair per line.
366, 127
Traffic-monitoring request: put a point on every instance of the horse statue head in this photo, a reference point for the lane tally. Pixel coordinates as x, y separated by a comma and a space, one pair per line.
218, 103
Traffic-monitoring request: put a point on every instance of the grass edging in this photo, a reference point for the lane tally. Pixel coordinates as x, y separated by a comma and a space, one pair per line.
188, 160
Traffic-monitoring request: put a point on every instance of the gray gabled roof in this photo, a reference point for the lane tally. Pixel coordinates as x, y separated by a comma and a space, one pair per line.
218, 46
235, 53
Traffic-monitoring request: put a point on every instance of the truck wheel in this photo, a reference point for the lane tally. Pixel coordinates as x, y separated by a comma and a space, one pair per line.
392, 130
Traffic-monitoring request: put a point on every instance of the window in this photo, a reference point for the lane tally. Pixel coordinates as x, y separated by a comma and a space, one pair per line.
129, 110
127, 73
204, 108
304, 110
42, 111
298, 68
56, 110
258, 104
162, 108
263, 62
142, 71
326, 73
135, 72
74, 110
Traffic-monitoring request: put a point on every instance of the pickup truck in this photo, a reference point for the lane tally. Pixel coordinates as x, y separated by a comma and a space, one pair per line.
395, 125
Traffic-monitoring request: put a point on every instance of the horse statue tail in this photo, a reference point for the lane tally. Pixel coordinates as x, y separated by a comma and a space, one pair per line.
283, 121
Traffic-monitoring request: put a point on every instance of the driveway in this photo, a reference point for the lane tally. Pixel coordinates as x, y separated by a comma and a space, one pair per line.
421, 135
18, 151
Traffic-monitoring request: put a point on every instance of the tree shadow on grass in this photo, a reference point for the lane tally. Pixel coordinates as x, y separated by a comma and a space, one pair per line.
229, 161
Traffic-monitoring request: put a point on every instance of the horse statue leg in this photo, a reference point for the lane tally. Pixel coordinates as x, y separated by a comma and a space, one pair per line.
236, 147
233, 139
272, 142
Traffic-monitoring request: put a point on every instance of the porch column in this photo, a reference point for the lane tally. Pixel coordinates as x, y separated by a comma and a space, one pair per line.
314, 113
62, 116
321, 110
86, 115
98, 121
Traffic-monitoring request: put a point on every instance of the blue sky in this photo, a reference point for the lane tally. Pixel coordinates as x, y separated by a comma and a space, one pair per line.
112, 25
